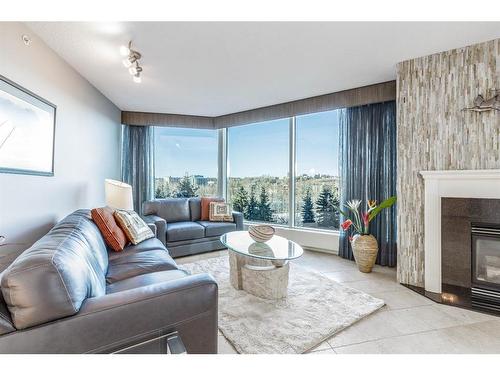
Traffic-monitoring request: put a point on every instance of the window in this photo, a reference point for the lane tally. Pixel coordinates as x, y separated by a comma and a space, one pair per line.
257, 165
316, 178
185, 162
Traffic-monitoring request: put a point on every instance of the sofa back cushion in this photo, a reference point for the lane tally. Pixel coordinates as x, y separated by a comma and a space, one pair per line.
170, 209
195, 208
53, 277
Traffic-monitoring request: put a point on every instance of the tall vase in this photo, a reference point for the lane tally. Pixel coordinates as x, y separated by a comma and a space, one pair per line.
365, 249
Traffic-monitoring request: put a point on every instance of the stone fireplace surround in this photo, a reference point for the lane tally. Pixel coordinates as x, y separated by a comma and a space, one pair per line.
454, 199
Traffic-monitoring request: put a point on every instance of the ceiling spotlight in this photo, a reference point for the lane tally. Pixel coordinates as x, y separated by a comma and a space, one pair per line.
133, 70
26, 39
131, 62
127, 63
124, 51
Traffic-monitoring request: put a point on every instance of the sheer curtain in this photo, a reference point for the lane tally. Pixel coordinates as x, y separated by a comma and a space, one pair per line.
138, 162
368, 170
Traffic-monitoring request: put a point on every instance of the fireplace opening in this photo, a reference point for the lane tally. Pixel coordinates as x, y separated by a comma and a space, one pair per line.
470, 255
485, 275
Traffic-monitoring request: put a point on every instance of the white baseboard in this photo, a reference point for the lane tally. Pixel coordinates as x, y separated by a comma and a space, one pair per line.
318, 250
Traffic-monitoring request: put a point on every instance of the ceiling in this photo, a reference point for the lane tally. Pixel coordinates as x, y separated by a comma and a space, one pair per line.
216, 68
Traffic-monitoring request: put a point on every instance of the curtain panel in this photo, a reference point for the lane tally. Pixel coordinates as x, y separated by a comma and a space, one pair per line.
138, 162
368, 171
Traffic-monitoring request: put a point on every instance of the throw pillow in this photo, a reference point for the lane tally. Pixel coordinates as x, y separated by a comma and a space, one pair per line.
113, 235
134, 227
220, 211
205, 207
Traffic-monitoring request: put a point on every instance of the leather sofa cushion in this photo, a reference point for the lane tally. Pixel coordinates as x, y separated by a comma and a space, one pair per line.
52, 278
138, 264
195, 208
217, 228
147, 245
170, 209
5, 320
144, 280
112, 233
186, 230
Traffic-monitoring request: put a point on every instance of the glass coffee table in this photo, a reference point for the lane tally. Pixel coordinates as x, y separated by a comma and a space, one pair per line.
260, 268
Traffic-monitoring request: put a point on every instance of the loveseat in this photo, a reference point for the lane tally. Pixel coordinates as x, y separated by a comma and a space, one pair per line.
68, 293
179, 225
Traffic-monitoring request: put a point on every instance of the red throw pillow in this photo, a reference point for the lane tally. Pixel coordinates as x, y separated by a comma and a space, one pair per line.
110, 230
205, 207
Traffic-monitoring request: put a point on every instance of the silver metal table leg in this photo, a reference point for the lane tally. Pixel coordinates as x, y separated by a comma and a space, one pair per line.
175, 344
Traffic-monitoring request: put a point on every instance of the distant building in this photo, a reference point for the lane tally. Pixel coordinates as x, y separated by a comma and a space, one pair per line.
199, 180
174, 180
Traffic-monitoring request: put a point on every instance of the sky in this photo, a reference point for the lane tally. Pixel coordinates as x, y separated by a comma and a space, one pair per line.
253, 150
179, 151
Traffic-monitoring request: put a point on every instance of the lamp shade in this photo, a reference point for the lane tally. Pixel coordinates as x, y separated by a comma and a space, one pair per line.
118, 195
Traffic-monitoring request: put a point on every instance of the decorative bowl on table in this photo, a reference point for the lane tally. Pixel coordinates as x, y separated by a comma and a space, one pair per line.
261, 233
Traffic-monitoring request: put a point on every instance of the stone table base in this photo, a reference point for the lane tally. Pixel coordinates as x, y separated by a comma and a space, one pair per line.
259, 277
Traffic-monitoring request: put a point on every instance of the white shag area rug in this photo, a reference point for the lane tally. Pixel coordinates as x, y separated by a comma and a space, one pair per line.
316, 308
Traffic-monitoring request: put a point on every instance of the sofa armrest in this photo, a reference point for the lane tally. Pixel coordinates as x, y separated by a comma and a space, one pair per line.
119, 320
238, 219
160, 224
152, 226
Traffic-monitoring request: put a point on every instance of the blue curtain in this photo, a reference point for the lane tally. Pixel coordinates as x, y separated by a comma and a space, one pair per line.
368, 170
138, 162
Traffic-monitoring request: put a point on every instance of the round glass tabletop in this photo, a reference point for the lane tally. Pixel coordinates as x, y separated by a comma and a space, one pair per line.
277, 248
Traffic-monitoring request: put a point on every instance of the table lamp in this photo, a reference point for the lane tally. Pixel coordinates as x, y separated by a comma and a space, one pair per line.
118, 195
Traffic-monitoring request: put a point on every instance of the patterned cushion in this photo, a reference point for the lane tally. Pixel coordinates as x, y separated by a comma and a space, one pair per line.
113, 235
205, 207
220, 211
134, 227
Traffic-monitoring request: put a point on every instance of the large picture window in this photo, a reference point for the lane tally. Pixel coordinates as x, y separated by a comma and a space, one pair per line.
258, 169
316, 179
282, 171
185, 162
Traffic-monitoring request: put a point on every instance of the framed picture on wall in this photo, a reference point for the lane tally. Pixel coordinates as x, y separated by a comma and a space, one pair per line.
27, 131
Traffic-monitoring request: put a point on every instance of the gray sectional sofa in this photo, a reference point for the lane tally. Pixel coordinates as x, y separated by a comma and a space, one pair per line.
179, 225
69, 294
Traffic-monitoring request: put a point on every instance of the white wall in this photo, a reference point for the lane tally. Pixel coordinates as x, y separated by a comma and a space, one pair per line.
87, 140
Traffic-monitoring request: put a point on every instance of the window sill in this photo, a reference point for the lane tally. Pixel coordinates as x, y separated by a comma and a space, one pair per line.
313, 239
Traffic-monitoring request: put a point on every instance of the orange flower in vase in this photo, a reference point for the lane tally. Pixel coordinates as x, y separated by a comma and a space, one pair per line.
364, 245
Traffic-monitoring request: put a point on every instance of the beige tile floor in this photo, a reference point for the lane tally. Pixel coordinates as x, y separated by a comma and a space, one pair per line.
409, 323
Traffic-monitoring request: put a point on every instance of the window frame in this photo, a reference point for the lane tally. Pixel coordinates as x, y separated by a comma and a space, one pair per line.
223, 178
292, 172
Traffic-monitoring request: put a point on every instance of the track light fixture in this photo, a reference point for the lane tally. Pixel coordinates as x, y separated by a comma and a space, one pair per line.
131, 61
135, 69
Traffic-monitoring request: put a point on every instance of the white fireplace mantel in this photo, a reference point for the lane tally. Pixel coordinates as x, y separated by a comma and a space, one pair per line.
452, 184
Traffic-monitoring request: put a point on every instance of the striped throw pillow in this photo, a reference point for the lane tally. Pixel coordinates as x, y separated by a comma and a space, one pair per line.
220, 211
134, 227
